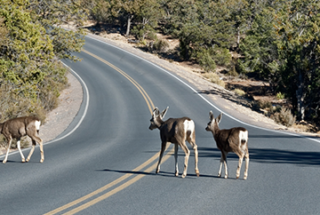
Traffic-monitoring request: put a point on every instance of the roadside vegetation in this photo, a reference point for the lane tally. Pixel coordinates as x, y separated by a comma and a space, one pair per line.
31, 45
274, 41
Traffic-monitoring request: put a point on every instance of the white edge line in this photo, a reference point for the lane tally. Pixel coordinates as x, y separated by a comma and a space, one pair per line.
266, 129
85, 110
84, 114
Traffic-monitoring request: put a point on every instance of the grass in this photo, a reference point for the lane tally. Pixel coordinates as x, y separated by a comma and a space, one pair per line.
214, 78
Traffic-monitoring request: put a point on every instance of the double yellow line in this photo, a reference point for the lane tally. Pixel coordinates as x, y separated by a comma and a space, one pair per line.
85, 202
141, 90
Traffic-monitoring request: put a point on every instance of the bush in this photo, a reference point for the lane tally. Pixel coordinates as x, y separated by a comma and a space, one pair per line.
151, 36
284, 117
161, 45
239, 92
265, 105
206, 61
214, 78
280, 96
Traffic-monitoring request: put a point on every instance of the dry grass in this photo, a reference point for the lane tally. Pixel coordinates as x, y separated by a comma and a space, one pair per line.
214, 78
239, 92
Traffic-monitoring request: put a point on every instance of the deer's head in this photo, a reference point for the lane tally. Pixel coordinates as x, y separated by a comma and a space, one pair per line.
213, 124
156, 120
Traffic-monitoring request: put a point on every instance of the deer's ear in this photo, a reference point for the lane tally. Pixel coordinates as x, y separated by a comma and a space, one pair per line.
156, 111
218, 119
211, 116
163, 113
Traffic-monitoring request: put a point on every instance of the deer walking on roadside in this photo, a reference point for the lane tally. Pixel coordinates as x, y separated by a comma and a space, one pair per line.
19, 127
230, 140
176, 131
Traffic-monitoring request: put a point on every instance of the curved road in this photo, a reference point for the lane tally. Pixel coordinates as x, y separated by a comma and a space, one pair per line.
106, 166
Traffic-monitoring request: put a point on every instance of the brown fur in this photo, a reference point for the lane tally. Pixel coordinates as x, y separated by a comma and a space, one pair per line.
20, 127
227, 140
172, 130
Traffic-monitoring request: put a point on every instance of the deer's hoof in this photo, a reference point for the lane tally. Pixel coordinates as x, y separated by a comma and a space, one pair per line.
4, 161
226, 176
41, 161
27, 160
197, 173
245, 178
219, 175
183, 176
177, 174
23, 161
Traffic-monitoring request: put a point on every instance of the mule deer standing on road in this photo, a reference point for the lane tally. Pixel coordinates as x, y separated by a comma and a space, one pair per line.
19, 127
176, 131
230, 140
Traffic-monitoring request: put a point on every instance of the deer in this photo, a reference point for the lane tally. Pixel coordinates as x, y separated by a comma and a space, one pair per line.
20, 127
176, 131
230, 140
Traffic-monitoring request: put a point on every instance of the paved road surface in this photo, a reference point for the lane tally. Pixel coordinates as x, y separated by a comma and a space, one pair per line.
106, 166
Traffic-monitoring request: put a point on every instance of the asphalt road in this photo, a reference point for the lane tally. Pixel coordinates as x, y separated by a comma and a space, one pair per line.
106, 165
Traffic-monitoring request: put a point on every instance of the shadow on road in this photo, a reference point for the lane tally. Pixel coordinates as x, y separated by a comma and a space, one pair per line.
161, 173
269, 156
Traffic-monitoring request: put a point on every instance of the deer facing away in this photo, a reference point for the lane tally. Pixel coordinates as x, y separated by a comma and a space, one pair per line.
230, 140
19, 127
176, 131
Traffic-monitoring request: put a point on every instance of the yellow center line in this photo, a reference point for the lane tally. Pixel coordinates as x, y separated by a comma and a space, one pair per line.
142, 91
115, 182
124, 177
117, 189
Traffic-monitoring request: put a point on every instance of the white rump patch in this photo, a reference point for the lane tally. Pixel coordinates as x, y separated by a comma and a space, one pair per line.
243, 135
189, 126
37, 124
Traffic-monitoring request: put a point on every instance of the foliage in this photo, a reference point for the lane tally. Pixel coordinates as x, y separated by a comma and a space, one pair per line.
239, 92
161, 45
285, 117
51, 15
283, 45
280, 95
31, 76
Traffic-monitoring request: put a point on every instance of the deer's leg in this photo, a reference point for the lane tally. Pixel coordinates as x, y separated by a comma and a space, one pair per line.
9, 140
221, 161
163, 147
195, 149
239, 165
31, 150
35, 140
186, 159
176, 158
19, 148
247, 165
225, 164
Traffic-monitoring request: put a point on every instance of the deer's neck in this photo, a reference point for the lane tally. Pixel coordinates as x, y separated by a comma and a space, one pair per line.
216, 132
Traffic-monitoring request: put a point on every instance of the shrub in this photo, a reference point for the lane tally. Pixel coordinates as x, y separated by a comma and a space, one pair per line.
206, 61
214, 78
151, 36
265, 105
161, 45
239, 92
280, 96
284, 117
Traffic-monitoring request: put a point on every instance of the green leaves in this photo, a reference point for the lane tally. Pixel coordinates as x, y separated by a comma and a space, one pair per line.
283, 47
30, 46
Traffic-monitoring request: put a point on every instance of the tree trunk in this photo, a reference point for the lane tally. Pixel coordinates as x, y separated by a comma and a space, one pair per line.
300, 95
130, 17
238, 38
